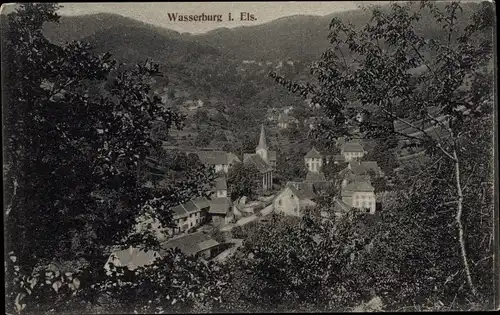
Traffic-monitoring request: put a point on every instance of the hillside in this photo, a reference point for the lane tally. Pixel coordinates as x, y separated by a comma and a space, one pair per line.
301, 37
225, 68
79, 27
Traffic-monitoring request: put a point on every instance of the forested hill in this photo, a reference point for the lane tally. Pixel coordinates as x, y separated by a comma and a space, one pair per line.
298, 37
211, 66
301, 37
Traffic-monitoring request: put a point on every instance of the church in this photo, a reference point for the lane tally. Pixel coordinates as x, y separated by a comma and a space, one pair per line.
264, 160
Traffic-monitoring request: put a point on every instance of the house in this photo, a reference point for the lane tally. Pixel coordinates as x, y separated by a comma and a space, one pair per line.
190, 214
294, 199
364, 168
285, 120
359, 194
220, 187
338, 158
352, 150
217, 159
314, 161
262, 161
194, 244
132, 258
220, 212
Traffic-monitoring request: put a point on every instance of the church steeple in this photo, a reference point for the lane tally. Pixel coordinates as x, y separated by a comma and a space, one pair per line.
262, 140
262, 148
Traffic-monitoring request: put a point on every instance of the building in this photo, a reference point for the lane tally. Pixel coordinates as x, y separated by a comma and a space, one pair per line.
314, 161
294, 199
194, 244
190, 214
220, 187
363, 168
359, 194
220, 212
221, 161
285, 120
352, 150
132, 258
264, 160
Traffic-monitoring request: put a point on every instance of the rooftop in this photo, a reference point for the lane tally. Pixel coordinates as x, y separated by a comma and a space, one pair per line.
213, 157
302, 190
313, 153
201, 202
315, 177
259, 163
220, 183
352, 147
220, 206
361, 186
188, 244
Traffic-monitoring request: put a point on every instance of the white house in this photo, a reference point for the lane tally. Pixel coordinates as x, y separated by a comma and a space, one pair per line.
352, 150
314, 161
294, 199
190, 214
360, 195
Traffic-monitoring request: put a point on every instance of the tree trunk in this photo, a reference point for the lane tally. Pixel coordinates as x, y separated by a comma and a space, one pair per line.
9, 206
458, 218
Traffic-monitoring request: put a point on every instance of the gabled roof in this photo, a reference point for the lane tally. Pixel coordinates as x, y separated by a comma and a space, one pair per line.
213, 157
302, 190
220, 205
191, 207
315, 177
259, 163
340, 206
179, 212
232, 158
188, 244
339, 158
207, 245
220, 183
201, 202
361, 186
313, 153
364, 167
352, 147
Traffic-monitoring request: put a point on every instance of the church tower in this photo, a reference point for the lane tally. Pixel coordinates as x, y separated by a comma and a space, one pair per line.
262, 149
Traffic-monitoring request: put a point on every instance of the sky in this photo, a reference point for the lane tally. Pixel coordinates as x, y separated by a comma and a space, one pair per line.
157, 12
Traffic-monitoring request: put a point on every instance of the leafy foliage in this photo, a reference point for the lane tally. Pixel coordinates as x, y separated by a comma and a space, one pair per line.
242, 180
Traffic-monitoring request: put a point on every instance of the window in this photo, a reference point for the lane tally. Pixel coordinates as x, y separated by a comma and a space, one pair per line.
279, 202
364, 204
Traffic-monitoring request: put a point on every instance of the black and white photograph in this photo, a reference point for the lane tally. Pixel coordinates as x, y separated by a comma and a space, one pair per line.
250, 157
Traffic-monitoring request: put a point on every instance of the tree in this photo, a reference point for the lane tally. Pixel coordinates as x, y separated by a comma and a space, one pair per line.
451, 93
291, 165
242, 180
205, 136
384, 153
78, 128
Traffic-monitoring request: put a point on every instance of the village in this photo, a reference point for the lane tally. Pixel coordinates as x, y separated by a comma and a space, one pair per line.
203, 226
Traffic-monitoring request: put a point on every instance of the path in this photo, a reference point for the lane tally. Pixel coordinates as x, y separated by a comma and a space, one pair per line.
230, 251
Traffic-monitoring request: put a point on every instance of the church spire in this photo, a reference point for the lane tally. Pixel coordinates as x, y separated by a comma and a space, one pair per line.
262, 140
